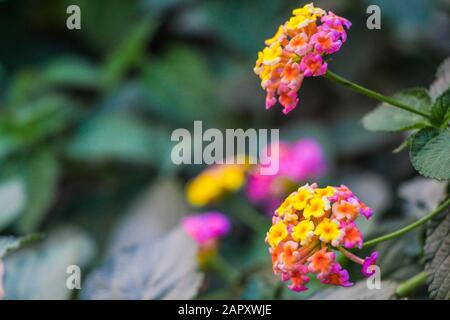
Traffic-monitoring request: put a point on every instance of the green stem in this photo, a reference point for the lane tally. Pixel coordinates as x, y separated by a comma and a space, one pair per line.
409, 227
224, 269
405, 288
248, 215
278, 292
372, 94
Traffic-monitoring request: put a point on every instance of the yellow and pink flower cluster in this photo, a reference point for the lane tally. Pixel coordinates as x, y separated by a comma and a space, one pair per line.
308, 226
296, 51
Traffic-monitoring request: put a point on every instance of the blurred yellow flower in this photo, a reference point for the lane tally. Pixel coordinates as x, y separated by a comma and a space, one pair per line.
213, 183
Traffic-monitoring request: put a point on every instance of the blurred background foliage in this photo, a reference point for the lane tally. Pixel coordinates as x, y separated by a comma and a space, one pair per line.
86, 117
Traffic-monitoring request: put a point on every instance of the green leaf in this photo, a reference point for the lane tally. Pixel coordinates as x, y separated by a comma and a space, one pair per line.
437, 256
9, 244
41, 176
180, 87
71, 72
23, 125
440, 112
405, 144
129, 54
430, 153
13, 199
40, 272
120, 136
389, 118
144, 271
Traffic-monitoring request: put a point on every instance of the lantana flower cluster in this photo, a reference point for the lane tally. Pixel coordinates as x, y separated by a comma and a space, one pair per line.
298, 162
309, 226
215, 182
296, 51
206, 229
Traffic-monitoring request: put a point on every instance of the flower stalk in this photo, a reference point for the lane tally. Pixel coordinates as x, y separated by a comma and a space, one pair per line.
373, 94
409, 227
408, 286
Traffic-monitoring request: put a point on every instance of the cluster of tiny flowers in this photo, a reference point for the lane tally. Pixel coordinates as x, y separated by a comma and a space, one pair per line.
214, 182
298, 162
206, 228
296, 51
306, 229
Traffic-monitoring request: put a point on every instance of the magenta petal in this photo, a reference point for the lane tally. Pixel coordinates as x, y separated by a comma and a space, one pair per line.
369, 261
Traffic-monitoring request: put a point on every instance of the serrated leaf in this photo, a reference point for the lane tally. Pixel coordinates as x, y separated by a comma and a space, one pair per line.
9, 244
442, 81
389, 118
430, 153
41, 176
13, 199
39, 272
358, 292
437, 256
440, 112
163, 269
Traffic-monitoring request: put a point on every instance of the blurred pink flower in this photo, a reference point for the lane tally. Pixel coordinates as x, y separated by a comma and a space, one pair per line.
298, 162
205, 228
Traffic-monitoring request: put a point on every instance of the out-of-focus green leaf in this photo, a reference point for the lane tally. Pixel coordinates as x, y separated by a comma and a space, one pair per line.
13, 199
442, 81
437, 256
39, 272
146, 271
440, 113
129, 54
120, 136
71, 72
243, 25
103, 26
25, 124
9, 244
430, 153
24, 85
389, 118
41, 174
180, 89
